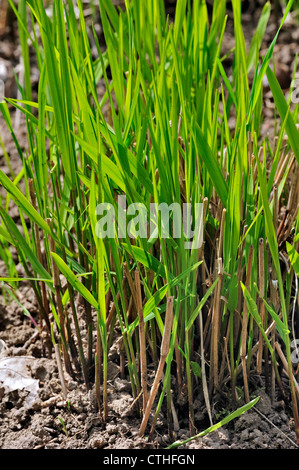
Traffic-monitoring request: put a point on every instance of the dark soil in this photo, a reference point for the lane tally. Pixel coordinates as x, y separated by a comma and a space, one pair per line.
52, 423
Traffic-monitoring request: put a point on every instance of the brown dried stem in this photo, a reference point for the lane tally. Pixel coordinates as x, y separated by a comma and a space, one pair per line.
44, 308
216, 331
164, 353
244, 327
56, 285
143, 362
261, 267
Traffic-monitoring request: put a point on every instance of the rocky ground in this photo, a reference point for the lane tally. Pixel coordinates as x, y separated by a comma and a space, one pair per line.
36, 415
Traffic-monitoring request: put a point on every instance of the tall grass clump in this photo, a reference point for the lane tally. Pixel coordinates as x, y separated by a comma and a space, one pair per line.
203, 318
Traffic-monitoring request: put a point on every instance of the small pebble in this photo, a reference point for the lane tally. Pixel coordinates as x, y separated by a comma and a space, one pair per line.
72, 385
112, 428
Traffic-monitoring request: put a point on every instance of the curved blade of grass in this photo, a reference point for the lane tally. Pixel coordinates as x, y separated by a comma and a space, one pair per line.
74, 281
25, 311
108, 167
282, 330
227, 82
146, 259
4, 233
294, 257
23, 202
21, 244
218, 425
284, 112
18, 279
258, 35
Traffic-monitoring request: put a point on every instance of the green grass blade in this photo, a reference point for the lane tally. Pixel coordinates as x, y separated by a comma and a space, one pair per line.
284, 111
74, 281
227, 419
